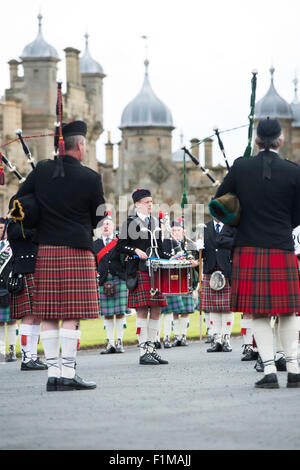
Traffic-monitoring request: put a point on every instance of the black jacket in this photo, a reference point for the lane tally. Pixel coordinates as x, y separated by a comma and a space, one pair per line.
218, 249
270, 208
109, 263
132, 236
24, 250
68, 206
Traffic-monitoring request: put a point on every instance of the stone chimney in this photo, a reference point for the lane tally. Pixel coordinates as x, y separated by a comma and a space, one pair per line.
109, 158
195, 150
73, 66
208, 153
13, 71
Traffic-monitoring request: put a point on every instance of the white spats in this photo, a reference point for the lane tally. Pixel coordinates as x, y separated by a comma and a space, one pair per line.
184, 323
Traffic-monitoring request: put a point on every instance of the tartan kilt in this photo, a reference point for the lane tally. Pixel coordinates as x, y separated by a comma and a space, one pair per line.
5, 316
116, 305
179, 304
217, 301
21, 304
141, 297
65, 284
265, 281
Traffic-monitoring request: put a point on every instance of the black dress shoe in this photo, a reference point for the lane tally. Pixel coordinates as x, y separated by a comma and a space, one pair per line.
31, 365
176, 342
166, 342
249, 354
157, 344
77, 383
281, 364
259, 365
148, 359
293, 380
215, 347
183, 341
52, 384
110, 349
11, 356
226, 344
158, 358
209, 339
119, 346
268, 381
41, 363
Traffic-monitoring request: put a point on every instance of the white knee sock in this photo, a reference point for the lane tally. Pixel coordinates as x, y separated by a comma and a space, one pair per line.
110, 330
176, 327
25, 341
50, 340
216, 325
184, 325
159, 329
142, 332
120, 328
227, 323
207, 320
12, 334
153, 327
168, 318
36, 329
278, 345
68, 341
288, 332
2, 340
264, 339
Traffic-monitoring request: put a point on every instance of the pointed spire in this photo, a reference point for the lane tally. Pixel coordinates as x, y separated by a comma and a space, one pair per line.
272, 70
40, 17
88, 65
86, 40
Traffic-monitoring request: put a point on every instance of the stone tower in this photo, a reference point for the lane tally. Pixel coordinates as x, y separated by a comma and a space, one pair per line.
30, 104
146, 148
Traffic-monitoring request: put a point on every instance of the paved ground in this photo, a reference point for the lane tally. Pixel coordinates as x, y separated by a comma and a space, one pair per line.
198, 401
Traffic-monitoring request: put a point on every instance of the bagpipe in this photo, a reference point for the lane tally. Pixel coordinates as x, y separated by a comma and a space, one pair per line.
227, 207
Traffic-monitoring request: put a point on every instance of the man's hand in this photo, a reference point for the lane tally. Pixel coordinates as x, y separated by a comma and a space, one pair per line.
141, 254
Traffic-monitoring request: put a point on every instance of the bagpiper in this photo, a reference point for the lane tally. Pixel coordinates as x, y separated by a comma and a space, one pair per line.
113, 290
265, 280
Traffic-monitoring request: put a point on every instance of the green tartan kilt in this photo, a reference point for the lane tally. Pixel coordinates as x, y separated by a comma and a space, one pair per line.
5, 316
116, 305
179, 304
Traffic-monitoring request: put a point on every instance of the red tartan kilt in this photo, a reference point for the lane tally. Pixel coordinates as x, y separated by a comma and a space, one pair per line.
21, 303
217, 301
265, 281
65, 284
141, 297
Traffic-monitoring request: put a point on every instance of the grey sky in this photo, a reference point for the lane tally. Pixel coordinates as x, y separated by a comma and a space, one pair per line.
201, 54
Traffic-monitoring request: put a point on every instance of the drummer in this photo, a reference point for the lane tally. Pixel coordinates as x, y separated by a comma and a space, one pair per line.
217, 258
179, 307
136, 241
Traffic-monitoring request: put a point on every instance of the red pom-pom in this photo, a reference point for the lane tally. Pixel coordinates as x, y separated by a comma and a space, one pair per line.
2, 176
61, 147
161, 215
108, 213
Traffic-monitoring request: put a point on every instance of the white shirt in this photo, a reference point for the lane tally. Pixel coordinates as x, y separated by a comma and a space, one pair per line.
221, 225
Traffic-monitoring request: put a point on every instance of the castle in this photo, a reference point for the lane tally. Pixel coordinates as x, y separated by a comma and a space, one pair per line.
145, 151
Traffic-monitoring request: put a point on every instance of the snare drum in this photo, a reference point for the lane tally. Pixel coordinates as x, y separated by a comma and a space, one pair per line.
171, 277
